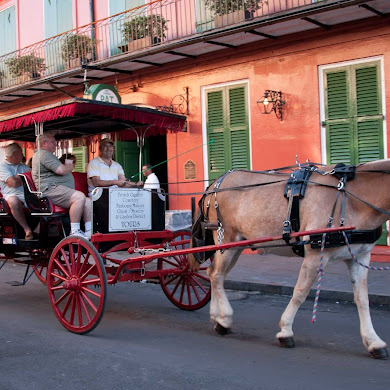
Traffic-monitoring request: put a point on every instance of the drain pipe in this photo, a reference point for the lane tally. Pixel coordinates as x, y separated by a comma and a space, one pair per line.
93, 30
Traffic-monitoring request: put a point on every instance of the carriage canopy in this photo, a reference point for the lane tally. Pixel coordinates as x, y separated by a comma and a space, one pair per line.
79, 117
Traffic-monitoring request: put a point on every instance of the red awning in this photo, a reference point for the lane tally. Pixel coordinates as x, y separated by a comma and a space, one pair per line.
79, 117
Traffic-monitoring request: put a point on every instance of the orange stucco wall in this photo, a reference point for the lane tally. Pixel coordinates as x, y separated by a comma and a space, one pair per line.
292, 68
289, 64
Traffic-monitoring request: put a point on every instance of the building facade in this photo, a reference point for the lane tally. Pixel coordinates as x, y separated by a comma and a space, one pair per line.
321, 65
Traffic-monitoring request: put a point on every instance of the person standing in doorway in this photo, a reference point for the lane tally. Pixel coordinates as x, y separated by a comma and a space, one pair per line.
151, 181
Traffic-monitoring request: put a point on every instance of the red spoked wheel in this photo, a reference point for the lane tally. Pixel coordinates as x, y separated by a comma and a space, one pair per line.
41, 273
186, 289
80, 300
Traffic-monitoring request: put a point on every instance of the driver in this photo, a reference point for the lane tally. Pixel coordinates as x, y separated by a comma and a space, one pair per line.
103, 171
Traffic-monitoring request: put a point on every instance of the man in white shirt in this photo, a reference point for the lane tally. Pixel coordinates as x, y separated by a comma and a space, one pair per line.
151, 181
103, 171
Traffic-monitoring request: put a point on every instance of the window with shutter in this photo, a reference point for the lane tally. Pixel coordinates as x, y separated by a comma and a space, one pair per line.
354, 120
204, 16
7, 31
353, 109
228, 127
116, 23
57, 20
80, 152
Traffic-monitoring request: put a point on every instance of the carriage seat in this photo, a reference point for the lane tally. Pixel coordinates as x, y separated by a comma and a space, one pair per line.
43, 205
80, 182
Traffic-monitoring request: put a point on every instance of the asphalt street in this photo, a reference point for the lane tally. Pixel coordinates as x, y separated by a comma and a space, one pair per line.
144, 342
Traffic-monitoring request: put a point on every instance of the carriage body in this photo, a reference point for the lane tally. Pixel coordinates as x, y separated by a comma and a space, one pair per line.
71, 266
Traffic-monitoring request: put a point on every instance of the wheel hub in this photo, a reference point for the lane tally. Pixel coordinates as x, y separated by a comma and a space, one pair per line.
72, 284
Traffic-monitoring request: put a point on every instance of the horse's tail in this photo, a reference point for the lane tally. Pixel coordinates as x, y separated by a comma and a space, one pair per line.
199, 237
196, 234
194, 264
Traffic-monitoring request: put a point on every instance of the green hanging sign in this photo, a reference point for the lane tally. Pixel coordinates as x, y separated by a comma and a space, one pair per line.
103, 93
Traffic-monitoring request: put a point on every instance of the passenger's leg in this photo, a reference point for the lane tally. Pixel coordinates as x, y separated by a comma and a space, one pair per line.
87, 216
76, 206
87, 213
16, 207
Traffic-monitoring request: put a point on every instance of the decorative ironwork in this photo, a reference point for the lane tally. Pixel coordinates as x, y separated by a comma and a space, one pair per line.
180, 104
272, 101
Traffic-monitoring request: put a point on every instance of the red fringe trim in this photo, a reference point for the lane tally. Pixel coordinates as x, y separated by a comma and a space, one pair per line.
160, 122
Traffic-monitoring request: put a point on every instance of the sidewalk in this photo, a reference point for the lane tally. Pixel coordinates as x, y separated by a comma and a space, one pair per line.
274, 274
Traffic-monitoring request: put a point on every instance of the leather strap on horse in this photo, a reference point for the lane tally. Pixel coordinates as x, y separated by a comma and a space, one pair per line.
294, 191
201, 230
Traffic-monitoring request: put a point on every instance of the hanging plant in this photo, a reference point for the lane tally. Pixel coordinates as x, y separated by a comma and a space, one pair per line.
76, 46
28, 64
224, 7
153, 26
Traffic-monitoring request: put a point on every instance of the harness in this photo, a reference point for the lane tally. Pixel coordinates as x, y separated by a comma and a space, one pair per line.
203, 228
295, 190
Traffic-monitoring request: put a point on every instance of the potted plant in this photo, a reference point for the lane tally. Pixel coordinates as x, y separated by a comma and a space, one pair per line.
233, 11
76, 50
26, 68
143, 31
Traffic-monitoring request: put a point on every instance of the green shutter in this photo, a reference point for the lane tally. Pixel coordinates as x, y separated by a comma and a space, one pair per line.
367, 91
216, 132
80, 153
130, 4
339, 127
7, 31
337, 91
57, 20
228, 127
50, 14
370, 140
239, 140
64, 16
339, 141
354, 121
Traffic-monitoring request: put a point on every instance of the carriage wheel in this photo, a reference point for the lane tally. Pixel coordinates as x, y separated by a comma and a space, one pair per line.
80, 300
188, 290
41, 273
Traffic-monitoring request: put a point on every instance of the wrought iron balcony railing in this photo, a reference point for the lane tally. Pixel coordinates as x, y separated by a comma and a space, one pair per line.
157, 23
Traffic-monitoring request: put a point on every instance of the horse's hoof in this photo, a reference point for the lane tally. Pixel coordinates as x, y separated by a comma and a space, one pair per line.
221, 330
380, 353
287, 342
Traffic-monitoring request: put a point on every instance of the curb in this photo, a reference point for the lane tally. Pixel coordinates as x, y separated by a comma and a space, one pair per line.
375, 299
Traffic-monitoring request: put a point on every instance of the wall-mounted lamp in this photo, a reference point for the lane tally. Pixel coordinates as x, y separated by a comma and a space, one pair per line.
272, 101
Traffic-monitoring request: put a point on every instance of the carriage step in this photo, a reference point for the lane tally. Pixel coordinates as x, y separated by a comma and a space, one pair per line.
28, 243
22, 259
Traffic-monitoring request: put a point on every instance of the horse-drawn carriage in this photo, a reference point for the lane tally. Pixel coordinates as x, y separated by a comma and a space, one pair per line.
130, 243
126, 225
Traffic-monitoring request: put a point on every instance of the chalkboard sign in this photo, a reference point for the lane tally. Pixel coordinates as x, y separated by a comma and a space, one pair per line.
129, 209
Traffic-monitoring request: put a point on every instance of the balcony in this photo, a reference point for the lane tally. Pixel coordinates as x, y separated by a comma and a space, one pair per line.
166, 31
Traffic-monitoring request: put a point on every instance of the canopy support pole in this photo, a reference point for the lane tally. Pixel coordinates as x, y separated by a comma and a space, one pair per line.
38, 133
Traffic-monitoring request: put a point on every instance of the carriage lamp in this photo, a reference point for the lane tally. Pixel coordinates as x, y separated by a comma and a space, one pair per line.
272, 101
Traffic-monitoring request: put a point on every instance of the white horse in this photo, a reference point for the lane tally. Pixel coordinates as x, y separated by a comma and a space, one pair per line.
258, 210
